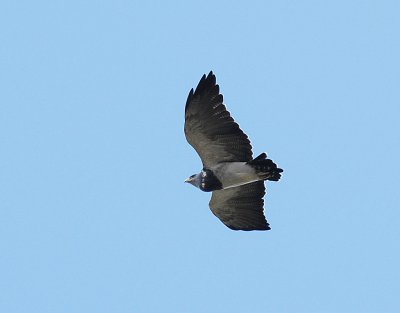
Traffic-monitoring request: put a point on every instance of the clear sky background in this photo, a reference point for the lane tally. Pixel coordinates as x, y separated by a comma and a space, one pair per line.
94, 214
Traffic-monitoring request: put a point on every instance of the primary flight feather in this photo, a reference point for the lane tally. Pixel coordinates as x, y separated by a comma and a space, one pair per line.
229, 170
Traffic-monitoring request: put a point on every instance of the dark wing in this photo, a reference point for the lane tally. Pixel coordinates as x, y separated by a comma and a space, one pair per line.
241, 208
210, 129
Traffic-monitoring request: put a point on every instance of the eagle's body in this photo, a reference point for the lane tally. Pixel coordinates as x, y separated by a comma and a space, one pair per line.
227, 175
229, 170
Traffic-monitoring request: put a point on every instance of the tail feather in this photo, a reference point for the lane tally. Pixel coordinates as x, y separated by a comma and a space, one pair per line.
265, 168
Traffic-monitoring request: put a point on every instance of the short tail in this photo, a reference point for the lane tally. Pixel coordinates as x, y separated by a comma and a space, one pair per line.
265, 168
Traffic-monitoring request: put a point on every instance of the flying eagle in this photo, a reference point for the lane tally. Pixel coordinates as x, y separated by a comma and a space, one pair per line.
235, 179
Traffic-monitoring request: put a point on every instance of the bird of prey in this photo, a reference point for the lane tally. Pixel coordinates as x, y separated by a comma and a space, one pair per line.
235, 179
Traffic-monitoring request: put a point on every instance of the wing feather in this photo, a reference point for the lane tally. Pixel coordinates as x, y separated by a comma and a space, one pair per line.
210, 129
241, 208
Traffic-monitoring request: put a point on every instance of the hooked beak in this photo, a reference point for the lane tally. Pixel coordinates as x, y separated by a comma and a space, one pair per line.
188, 180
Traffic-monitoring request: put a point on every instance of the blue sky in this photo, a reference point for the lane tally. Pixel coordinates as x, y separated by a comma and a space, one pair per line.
94, 214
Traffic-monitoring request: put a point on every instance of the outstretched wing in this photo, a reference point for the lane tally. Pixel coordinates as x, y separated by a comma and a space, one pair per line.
210, 129
241, 208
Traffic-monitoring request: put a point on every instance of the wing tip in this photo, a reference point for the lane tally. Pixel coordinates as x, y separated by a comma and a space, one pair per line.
189, 98
206, 84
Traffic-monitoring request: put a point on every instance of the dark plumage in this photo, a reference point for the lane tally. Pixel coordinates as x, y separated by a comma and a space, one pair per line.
209, 182
209, 127
229, 170
241, 208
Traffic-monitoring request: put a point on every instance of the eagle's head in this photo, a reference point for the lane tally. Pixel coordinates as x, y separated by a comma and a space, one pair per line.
195, 180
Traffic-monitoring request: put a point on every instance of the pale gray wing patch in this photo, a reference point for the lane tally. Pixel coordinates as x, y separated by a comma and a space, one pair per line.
210, 129
241, 208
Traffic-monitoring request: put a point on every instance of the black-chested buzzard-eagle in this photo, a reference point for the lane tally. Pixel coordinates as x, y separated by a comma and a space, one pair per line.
235, 179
